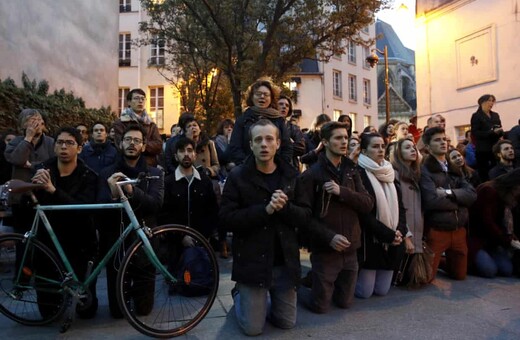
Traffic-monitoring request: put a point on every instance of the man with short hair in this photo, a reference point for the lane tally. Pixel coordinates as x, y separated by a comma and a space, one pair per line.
67, 180
446, 196
99, 152
257, 207
146, 199
505, 154
514, 136
189, 198
136, 114
206, 153
83, 130
333, 195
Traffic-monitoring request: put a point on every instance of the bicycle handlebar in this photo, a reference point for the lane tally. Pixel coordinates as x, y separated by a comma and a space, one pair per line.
139, 178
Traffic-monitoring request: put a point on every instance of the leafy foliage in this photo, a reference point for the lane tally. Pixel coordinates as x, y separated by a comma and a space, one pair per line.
248, 39
60, 108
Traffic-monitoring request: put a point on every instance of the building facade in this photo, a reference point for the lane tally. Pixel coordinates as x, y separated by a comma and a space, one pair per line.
59, 42
346, 84
138, 69
467, 48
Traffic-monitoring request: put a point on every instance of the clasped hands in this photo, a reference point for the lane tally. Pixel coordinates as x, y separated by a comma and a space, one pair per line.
278, 200
43, 177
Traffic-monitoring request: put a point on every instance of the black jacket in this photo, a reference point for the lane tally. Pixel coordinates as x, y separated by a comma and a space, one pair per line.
482, 130
376, 251
329, 215
193, 204
444, 213
75, 228
147, 197
239, 149
243, 212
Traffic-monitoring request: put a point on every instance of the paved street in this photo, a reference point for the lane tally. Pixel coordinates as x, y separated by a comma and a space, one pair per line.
474, 309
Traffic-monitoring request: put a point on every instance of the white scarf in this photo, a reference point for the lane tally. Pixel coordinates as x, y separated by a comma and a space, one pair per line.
382, 179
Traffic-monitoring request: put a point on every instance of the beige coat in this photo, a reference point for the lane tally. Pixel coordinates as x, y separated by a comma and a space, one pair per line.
411, 196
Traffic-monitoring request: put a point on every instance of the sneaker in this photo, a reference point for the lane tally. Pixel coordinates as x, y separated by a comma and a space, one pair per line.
234, 292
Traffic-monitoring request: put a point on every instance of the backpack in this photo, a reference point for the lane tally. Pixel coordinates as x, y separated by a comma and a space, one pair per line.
194, 272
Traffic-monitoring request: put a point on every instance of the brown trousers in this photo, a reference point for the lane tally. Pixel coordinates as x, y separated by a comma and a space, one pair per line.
456, 248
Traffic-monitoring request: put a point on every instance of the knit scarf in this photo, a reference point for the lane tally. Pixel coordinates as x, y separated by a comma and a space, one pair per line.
131, 115
269, 113
382, 179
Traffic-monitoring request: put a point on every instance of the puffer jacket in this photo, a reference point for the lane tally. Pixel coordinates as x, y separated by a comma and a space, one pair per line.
444, 213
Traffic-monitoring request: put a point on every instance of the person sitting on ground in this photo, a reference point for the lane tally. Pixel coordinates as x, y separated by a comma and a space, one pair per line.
492, 238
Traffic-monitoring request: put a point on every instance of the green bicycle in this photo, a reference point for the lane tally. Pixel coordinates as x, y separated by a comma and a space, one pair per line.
37, 287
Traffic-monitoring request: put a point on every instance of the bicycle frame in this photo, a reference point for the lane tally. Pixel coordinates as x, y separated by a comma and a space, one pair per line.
133, 225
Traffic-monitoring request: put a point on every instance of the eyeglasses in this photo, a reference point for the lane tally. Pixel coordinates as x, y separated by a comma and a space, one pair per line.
262, 94
130, 140
139, 98
68, 143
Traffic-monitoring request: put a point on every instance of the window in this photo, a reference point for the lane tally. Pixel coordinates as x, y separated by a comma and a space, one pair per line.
460, 132
125, 6
366, 92
123, 91
366, 121
336, 114
336, 84
351, 52
352, 87
353, 116
157, 105
366, 53
157, 51
365, 30
125, 43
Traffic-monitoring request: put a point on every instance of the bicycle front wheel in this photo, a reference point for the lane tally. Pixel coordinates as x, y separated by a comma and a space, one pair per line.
157, 306
30, 281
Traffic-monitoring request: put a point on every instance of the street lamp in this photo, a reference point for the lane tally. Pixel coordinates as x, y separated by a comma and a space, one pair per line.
372, 60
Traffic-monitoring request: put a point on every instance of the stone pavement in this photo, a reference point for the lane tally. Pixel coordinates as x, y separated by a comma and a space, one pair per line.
473, 309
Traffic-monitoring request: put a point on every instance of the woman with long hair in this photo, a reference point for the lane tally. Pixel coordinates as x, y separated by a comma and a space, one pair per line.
492, 235
384, 228
407, 172
457, 163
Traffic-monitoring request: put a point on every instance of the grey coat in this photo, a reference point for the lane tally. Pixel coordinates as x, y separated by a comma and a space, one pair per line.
19, 151
411, 196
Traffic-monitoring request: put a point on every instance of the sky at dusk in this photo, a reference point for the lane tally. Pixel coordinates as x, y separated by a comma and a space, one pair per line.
401, 16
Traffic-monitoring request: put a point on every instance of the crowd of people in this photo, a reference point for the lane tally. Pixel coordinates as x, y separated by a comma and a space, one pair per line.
369, 206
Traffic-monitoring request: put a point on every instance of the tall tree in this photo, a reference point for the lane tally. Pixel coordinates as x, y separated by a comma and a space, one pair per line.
246, 39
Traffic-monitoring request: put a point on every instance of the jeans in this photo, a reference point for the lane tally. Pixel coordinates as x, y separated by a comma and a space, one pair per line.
492, 263
372, 281
278, 304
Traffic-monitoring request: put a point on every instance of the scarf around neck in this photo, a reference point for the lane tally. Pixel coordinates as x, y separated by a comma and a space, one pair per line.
129, 114
269, 113
382, 179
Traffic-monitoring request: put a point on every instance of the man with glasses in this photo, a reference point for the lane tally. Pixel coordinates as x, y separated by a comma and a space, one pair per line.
67, 180
136, 113
146, 198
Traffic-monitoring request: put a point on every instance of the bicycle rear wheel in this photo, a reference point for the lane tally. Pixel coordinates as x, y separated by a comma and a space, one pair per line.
30, 281
156, 306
